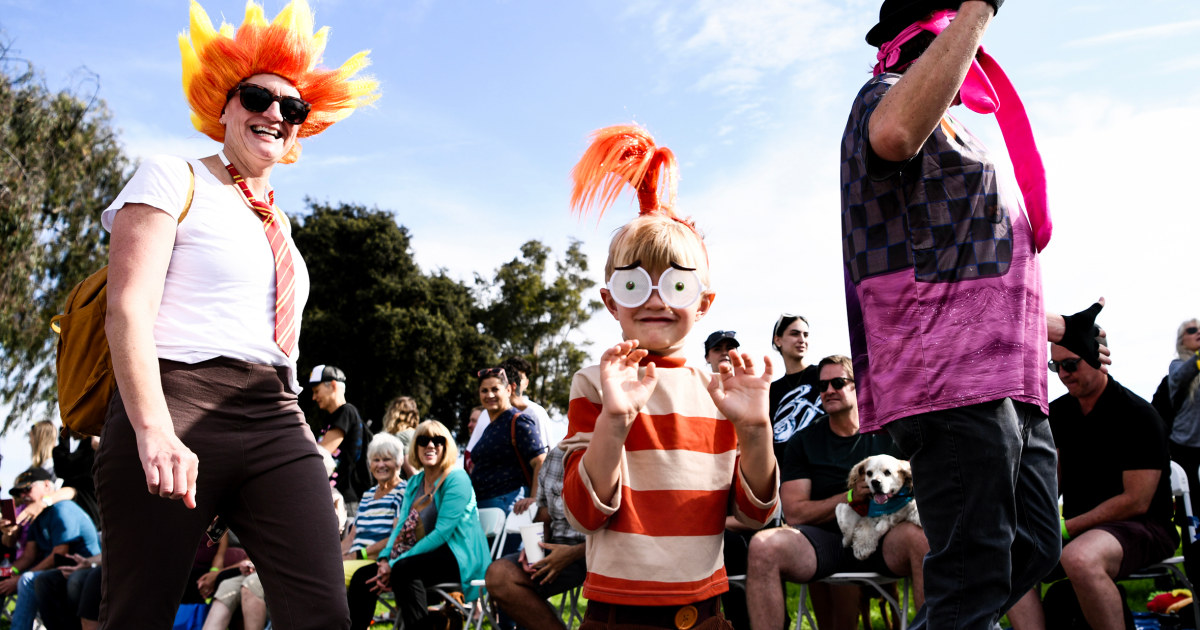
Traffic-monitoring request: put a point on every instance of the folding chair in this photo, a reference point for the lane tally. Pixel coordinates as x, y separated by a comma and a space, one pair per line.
873, 580
508, 524
568, 608
1170, 567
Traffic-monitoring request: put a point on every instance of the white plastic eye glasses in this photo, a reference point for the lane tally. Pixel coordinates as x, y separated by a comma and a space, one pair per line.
678, 288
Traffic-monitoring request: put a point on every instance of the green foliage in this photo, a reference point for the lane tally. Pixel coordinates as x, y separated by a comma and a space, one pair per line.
533, 317
373, 313
60, 166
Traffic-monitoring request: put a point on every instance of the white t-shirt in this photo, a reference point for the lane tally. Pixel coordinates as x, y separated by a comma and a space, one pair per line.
219, 295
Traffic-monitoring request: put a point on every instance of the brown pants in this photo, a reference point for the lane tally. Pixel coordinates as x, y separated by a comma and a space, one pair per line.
702, 615
258, 470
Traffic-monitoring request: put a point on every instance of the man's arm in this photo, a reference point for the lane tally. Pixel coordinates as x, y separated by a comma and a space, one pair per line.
912, 108
332, 440
800, 509
1134, 501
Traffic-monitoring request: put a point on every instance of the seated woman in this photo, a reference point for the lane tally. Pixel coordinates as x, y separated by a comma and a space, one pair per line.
378, 507
509, 454
400, 419
439, 540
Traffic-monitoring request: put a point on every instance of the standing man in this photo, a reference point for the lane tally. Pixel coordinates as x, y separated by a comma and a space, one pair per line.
343, 434
944, 302
717, 348
1115, 475
794, 399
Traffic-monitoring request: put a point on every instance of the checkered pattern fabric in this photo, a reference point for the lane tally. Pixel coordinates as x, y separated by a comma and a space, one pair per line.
939, 213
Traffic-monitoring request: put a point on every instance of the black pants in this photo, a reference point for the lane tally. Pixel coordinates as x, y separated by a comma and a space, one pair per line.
408, 579
259, 469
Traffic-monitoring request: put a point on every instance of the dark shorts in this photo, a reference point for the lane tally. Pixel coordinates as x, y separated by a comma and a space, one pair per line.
1143, 543
568, 579
832, 557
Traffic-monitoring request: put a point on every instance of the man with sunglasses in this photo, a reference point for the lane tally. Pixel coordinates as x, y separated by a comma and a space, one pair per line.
1115, 478
61, 529
813, 475
794, 401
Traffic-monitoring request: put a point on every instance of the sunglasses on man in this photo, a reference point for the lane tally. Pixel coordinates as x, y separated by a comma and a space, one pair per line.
437, 440
1066, 366
838, 383
257, 99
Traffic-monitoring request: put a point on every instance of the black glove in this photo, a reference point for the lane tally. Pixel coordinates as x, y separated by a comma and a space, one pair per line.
1080, 335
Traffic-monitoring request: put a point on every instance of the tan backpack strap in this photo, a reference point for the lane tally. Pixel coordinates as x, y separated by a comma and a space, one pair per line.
187, 205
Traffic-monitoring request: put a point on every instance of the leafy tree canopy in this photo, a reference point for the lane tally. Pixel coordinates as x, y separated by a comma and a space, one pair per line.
60, 166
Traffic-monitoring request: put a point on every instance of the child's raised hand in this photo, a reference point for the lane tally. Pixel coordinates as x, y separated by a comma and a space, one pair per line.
624, 393
740, 393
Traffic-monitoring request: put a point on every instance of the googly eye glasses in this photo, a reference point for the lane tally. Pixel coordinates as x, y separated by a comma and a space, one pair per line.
678, 288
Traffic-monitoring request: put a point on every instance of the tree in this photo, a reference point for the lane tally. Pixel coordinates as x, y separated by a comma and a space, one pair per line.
60, 166
536, 319
373, 313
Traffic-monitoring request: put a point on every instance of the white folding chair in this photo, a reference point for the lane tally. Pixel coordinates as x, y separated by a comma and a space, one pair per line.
872, 580
1170, 567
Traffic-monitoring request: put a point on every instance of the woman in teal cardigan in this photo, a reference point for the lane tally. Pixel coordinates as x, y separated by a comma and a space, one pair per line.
438, 540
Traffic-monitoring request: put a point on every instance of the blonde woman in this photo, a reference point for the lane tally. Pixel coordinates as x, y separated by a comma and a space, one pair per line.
437, 539
41, 443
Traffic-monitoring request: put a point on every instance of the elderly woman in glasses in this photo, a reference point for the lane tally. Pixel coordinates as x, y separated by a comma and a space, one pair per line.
437, 540
1183, 379
205, 296
509, 454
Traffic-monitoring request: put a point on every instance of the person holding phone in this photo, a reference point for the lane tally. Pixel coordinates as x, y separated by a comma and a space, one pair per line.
61, 529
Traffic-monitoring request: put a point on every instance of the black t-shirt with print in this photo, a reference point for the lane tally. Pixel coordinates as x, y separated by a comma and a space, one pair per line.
347, 419
795, 402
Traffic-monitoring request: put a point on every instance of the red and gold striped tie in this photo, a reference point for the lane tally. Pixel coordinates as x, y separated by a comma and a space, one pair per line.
285, 272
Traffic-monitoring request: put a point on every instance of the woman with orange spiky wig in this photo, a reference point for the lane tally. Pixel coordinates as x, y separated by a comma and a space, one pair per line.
650, 438
205, 295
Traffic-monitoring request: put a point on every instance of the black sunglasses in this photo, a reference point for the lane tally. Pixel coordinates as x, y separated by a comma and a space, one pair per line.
838, 383
1065, 366
424, 440
18, 492
1191, 330
256, 99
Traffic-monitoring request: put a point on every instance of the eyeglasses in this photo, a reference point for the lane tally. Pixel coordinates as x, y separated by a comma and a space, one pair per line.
493, 372
1065, 366
257, 99
678, 288
424, 440
790, 317
838, 383
1191, 330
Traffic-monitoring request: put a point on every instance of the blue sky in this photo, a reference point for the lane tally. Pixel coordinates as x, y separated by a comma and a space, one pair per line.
487, 105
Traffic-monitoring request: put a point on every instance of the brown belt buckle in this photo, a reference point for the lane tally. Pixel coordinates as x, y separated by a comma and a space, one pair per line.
686, 617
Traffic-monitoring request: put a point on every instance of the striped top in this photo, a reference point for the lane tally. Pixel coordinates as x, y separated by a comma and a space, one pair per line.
660, 541
376, 517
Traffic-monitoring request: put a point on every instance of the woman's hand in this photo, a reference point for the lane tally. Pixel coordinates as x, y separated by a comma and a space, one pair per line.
520, 506
381, 583
624, 393
31, 511
742, 395
170, 466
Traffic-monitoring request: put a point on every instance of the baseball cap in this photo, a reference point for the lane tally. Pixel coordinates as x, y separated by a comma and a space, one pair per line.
31, 476
326, 373
719, 336
897, 15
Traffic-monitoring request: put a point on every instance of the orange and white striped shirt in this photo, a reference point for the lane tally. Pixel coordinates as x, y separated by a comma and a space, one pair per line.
660, 541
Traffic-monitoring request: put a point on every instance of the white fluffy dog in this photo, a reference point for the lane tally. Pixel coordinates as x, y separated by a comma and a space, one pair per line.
888, 502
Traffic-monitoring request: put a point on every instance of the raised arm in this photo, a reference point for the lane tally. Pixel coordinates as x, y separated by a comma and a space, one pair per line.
139, 253
912, 109
623, 396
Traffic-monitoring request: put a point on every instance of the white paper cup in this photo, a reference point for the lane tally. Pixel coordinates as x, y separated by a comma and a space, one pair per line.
531, 535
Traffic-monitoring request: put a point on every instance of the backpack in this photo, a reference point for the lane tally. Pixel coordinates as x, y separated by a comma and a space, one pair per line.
361, 478
84, 364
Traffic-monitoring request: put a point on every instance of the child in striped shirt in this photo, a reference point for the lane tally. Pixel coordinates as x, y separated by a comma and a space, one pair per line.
658, 453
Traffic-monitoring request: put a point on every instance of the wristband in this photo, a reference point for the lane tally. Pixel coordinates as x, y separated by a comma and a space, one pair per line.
16, 571
849, 496
47, 502
362, 553
1065, 535
212, 569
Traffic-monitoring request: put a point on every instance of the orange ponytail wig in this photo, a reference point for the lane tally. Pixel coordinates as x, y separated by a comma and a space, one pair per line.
658, 237
214, 61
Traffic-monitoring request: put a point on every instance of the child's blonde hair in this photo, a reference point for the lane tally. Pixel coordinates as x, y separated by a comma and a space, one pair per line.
627, 154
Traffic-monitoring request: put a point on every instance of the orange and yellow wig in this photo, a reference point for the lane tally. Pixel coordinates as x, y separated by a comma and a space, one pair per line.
658, 237
214, 61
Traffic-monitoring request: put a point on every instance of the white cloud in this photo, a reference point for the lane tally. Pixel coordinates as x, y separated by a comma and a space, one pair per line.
1145, 33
